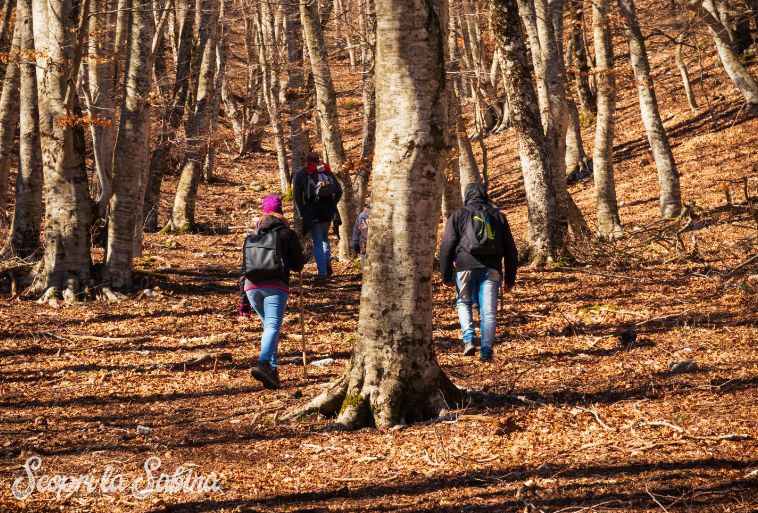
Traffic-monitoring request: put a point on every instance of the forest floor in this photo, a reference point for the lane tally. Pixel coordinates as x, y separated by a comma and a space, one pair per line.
593, 418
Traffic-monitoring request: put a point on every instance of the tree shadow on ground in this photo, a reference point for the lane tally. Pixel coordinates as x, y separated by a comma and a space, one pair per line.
494, 489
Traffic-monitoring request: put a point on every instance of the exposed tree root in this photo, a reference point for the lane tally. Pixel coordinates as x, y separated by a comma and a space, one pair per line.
358, 400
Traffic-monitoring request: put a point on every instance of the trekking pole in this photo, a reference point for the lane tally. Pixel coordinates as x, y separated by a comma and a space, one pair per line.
302, 326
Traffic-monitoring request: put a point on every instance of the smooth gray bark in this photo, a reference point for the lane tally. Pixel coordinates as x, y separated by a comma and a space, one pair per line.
608, 221
9, 99
682, 67
131, 156
326, 107
586, 97
24, 235
668, 176
57, 39
393, 376
296, 92
198, 121
742, 79
545, 234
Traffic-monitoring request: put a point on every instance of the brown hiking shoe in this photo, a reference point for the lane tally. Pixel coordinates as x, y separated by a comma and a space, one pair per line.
266, 374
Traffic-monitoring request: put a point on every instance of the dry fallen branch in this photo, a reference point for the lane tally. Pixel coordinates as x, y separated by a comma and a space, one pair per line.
202, 360
592, 411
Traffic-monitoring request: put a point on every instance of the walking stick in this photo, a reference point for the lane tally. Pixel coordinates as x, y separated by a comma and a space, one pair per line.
302, 325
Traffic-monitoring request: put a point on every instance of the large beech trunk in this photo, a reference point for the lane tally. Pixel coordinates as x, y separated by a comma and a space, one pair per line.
24, 235
8, 121
393, 376
668, 177
326, 106
183, 212
608, 222
131, 159
67, 258
544, 230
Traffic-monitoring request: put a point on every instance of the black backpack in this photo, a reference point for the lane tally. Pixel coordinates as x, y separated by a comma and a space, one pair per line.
479, 237
324, 187
262, 255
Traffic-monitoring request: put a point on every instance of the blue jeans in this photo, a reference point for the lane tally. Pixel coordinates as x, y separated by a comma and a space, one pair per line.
478, 286
269, 303
321, 252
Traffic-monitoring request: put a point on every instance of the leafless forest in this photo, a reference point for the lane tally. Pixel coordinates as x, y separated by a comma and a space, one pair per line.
620, 137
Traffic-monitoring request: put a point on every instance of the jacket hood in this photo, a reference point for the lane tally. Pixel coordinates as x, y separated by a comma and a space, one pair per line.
475, 194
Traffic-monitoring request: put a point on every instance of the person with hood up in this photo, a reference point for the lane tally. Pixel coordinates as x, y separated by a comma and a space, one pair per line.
360, 233
316, 193
267, 292
476, 243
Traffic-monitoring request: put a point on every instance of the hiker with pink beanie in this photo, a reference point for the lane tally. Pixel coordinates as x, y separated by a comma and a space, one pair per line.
268, 256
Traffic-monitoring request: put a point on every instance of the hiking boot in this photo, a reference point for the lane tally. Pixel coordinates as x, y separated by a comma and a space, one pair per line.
266, 374
469, 349
486, 354
476, 342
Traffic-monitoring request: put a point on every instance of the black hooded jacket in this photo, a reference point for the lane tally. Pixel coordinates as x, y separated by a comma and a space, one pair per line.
454, 257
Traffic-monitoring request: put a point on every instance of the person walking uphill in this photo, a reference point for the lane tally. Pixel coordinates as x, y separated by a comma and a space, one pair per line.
269, 255
477, 240
316, 192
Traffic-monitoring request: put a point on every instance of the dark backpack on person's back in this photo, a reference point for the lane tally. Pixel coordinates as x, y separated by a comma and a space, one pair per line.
325, 186
479, 237
262, 255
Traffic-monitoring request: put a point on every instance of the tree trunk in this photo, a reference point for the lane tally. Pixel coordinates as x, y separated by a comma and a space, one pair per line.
466, 168
608, 222
218, 81
368, 129
577, 163
680, 64
6, 38
131, 158
67, 259
326, 106
8, 122
393, 376
579, 53
99, 78
529, 19
296, 91
183, 213
743, 81
23, 240
173, 115
668, 177
556, 122
269, 61
544, 230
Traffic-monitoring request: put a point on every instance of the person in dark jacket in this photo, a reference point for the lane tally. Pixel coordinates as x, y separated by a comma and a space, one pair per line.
268, 296
360, 233
317, 212
477, 277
